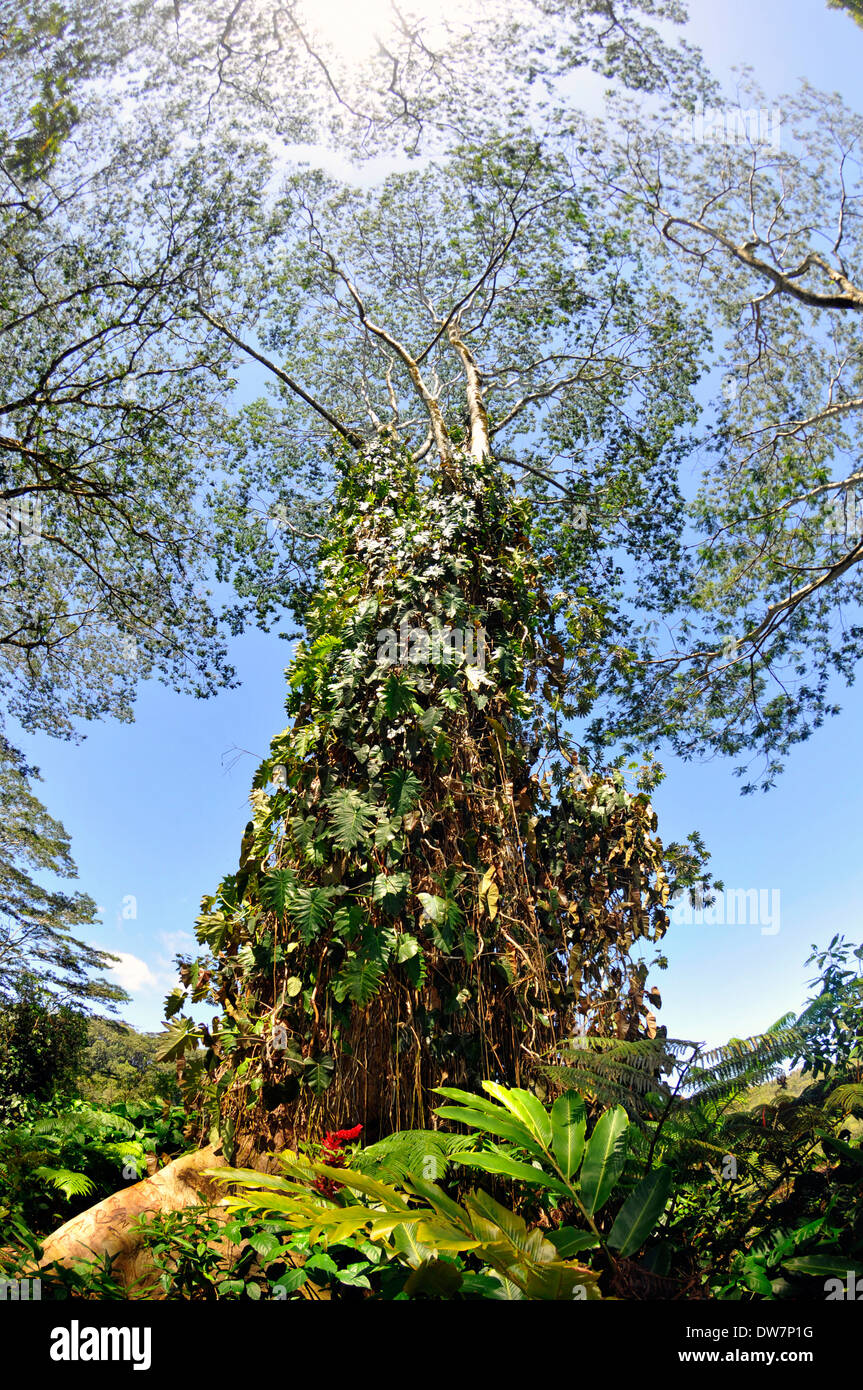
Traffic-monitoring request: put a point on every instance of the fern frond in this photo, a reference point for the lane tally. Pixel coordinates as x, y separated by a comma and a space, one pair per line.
847, 1099
424, 1152
70, 1184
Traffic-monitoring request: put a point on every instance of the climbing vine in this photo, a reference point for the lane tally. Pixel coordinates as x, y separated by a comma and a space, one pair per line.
432, 889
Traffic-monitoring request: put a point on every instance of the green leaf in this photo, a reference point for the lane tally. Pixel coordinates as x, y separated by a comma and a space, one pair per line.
407, 948
434, 908
526, 1107
390, 890
640, 1212
398, 697
318, 1073
403, 791
361, 979
312, 909
568, 1241
276, 889
352, 817
839, 1149
604, 1159
353, 1276
511, 1168
182, 1035
291, 1280
268, 1246
503, 1126
568, 1124
434, 1277
824, 1266
69, 1183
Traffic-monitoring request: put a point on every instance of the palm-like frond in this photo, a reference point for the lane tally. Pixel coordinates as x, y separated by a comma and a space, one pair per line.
618, 1072
425, 1152
69, 1183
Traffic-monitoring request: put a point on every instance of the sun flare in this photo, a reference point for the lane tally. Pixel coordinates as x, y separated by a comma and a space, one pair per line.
353, 27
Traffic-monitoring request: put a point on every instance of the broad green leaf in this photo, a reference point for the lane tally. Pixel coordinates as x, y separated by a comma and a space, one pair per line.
403, 790
568, 1241
438, 1278
500, 1124
390, 890
822, 1266
604, 1159
266, 1245
438, 1199
277, 888
511, 1168
640, 1212
291, 1280
360, 979
182, 1035
311, 909
318, 1073
351, 816
568, 1124
526, 1107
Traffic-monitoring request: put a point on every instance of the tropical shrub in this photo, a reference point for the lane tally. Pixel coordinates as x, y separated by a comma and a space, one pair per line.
66, 1157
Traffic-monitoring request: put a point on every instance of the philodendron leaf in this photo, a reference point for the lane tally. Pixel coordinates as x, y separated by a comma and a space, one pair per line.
604, 1159
352, 818
390, 890
568, 1124
276, 889
318, 1073
403, 791
640, 1212
182, 1035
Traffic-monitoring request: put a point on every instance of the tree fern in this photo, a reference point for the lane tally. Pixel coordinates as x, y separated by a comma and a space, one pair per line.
614, 1071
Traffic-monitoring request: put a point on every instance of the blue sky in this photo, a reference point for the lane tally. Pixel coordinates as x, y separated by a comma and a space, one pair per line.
156, 809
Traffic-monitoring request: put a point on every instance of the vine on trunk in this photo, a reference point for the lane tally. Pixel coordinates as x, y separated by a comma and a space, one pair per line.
432, 890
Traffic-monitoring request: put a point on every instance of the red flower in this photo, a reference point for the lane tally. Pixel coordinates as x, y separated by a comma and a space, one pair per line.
330, 1146
335, 1140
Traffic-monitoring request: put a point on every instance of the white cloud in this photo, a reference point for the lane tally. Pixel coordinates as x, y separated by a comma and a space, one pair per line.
132, 973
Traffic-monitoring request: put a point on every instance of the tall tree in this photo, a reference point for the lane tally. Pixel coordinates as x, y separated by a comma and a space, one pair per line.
38, 946
756, 210
435, 885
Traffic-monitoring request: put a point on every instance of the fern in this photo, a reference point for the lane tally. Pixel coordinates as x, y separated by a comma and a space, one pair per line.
69, 1183
86, 1123
426, 1153
618, 1072
848, 1099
